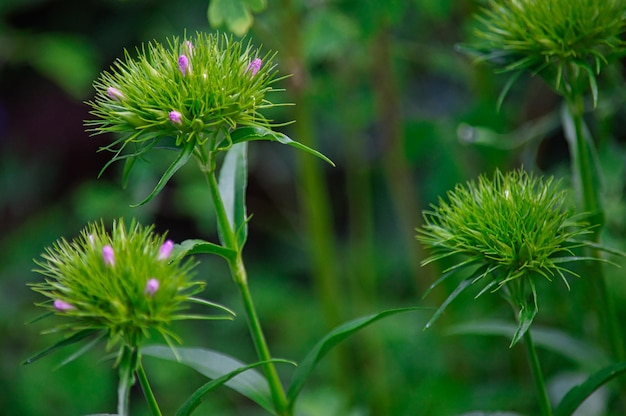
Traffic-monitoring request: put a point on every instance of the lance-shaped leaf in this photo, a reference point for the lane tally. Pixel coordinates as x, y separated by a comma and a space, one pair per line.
334, 337
196, 246
182, 158
246, 134
232, 184
72, 339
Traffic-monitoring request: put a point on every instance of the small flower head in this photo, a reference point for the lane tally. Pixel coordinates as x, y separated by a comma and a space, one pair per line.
140, 294
565, 41
254, 66
166, 250
215, 92
176, 117
512, 230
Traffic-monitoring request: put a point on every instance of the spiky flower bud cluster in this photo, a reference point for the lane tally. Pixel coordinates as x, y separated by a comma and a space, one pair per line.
193, 90
512, 230
565, 41
126, 283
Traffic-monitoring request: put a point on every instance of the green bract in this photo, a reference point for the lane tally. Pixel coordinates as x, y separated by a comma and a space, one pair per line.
193, 90
511, 230
567, 42
123, 285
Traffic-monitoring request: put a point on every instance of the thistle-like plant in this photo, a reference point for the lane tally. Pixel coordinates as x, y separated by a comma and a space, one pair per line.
566, 42
122, 287
509, 231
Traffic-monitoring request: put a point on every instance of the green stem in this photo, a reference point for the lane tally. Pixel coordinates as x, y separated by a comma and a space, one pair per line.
540, 385
126, 367
587, 178
147, 391
239, 275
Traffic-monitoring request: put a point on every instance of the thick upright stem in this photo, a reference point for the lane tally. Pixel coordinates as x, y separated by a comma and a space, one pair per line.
239, 275
587, 178
540, 385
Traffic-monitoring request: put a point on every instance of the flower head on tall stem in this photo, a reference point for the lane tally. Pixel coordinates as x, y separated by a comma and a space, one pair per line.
510, 230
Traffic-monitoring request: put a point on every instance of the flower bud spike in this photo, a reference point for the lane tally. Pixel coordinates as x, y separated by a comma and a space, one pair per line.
151, 287
115, 94
108, 255
255, 65
183, 64
166, 250
176, 117
62, 306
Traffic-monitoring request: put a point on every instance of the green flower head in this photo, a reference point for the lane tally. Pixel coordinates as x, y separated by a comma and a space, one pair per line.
195, 90
509, 230
565, 41
123, 285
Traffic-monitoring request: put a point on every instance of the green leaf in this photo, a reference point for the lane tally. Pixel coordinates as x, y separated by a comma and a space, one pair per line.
578, 394
257, 6
331, 339
246, 134
525, 319
77, 337
456, 292
196, 246
579, 351
194, 400
214, 365
232, 184
235, 14
182, 158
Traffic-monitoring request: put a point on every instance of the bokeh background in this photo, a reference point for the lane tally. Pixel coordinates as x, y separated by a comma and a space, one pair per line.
380, 88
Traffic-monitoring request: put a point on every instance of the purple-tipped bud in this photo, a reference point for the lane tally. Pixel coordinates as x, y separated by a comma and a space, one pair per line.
151, 287
115, 94
183, 64
62, 306
254, 66
176, 117
166, 250
108, 255
91, 239
188, 47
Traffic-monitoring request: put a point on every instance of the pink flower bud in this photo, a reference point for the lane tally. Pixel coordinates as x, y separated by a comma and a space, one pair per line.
115, 94
188, 47
183, 64
176, 117
108, 255
254, 66
151, 287
166, 250
62, 306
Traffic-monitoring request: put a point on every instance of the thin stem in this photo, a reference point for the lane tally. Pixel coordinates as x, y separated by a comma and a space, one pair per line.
147, 391
239, 275
540, 385
125, 366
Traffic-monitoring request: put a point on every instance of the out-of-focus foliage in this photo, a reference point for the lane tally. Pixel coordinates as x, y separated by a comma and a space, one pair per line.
390, 102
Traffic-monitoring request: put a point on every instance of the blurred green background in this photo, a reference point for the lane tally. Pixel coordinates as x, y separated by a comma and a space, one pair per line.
380, 89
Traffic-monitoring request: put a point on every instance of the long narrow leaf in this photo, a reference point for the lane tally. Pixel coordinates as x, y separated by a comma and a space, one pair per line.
214, 365
578, 394
334, 337
457, 291
195, 246
182, 158
77, 337
194, 400
246, 134
233, 180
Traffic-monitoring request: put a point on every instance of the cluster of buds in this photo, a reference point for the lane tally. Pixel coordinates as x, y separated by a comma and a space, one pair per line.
125, 283
193, 90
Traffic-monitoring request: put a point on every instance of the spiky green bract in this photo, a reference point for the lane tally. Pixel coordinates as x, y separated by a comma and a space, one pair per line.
511, 229
96, 290
567, 42
195, 90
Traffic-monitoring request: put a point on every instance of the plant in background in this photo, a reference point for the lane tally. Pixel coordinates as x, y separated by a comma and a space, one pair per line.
508, 232
120, 287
